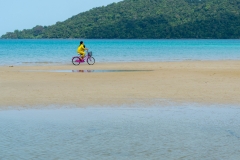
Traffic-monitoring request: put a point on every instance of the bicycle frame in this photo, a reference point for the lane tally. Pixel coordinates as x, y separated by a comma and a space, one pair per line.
78, 59
84, 58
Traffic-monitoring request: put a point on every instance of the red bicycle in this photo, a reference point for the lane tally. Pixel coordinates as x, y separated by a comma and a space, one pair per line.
77, 60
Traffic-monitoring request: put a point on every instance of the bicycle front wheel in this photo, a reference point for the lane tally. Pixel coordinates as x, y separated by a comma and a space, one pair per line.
90, 60
76, 61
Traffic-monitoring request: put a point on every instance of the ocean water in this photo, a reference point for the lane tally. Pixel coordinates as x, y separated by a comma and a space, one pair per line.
45, 52
173, 133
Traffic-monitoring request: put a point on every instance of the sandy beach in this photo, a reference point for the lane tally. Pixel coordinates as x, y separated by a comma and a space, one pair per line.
204, 82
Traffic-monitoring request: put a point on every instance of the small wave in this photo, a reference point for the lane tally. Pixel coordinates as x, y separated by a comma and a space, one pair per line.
40, 62
232, 133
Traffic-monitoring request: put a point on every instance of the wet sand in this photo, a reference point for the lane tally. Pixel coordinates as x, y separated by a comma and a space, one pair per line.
204, 82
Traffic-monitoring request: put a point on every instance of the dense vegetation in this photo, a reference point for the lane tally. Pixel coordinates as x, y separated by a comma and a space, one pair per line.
147, 19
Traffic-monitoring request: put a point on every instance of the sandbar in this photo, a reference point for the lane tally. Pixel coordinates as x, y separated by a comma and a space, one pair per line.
203, 82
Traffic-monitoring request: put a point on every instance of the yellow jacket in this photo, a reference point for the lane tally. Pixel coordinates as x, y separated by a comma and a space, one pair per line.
81, 49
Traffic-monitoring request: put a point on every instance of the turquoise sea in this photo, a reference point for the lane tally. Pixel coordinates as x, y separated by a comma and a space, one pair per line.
172, 132
45, 52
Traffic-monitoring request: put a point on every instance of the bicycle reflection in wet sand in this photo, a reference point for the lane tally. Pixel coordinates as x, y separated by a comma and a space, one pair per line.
86, 71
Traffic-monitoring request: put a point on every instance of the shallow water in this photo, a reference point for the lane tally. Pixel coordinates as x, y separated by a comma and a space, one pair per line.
87, 71
61, 51
181, 132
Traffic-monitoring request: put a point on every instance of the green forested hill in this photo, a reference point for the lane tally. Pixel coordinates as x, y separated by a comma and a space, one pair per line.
147, 19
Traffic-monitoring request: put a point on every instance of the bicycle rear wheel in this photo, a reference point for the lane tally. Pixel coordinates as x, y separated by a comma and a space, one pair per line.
76, 61
90, 60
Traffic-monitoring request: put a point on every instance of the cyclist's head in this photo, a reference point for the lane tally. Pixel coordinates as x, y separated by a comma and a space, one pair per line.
81, 42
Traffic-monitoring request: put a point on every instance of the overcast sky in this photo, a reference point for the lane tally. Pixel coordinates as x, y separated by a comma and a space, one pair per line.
25, 14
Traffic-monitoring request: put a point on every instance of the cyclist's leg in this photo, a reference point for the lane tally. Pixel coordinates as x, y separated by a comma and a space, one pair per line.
82, 55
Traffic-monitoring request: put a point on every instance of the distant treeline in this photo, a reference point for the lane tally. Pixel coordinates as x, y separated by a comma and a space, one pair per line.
144, 19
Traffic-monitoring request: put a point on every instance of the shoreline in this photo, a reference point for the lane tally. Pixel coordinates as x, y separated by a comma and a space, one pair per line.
201, 82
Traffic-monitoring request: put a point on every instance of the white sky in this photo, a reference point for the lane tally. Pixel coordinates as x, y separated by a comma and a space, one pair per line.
25, 14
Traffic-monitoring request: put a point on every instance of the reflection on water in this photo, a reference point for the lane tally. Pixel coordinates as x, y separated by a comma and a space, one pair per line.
82, 71
121, 133
88, 71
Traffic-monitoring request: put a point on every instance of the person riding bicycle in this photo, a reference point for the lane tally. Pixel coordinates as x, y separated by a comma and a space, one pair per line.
80, 50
